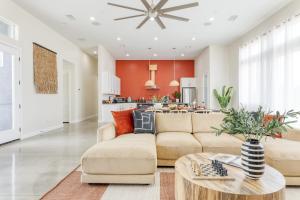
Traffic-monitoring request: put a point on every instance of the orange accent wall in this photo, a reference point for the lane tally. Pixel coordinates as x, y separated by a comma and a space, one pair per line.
134, 74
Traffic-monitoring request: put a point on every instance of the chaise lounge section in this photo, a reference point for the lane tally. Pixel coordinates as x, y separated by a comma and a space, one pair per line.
127, 159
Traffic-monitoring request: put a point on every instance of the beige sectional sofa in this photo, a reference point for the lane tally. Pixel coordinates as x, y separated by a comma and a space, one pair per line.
133, 158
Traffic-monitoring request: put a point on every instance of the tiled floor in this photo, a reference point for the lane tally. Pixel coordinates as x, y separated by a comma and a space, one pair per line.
31, 167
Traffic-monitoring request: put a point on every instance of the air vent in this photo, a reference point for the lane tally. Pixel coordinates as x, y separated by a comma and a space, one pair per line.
207, 24
233, 18
70, 17
81, 39
96, 23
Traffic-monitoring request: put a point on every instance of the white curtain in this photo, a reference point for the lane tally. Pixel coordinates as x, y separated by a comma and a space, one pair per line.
269, 69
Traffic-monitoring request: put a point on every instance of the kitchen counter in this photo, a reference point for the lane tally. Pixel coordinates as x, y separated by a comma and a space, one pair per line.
118, 103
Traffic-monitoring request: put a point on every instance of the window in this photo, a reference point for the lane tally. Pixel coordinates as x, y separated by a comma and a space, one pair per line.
1, 59
269, 68
8, 28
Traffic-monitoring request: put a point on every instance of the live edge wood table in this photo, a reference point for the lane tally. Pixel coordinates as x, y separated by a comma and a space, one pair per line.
270, 187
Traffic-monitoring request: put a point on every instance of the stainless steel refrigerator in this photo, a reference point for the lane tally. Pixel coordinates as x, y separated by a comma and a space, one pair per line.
188, 95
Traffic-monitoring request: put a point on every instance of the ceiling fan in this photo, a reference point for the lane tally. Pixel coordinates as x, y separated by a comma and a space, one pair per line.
155, 12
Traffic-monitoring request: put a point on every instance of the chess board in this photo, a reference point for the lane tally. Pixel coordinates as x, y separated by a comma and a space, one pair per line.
209, 171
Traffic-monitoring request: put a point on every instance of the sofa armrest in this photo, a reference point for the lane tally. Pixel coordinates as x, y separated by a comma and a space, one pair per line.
106, 132
292, 134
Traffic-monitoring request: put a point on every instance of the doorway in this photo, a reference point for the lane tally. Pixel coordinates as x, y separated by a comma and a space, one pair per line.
9, 94
68, 73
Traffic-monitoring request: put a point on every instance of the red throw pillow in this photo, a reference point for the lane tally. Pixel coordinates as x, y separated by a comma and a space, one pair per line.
268, 118
123, 121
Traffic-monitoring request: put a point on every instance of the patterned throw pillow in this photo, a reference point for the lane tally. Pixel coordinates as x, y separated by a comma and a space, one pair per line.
143, 122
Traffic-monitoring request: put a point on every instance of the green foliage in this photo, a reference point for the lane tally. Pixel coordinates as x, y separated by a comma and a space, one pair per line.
154, 99
225, 97
252, 124
176, 95
164, 99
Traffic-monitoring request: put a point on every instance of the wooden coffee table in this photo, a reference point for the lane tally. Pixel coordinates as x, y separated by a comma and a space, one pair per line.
270, 187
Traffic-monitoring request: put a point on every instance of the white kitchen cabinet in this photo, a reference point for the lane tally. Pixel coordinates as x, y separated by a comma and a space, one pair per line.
188, 82
118, 86
110, 84
107, 108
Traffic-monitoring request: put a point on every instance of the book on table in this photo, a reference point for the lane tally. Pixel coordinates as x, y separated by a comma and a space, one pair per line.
228, 159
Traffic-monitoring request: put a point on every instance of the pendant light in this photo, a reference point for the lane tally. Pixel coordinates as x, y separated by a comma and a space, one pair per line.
174, 82
149, 83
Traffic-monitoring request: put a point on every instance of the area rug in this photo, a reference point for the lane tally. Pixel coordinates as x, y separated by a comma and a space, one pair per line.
70, 188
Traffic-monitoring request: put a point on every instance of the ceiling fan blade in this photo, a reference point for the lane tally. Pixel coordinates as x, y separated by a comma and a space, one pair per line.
160, 23
146, 4
160, 5
134, 16
143, 22
174, 17
126, 7
190, 5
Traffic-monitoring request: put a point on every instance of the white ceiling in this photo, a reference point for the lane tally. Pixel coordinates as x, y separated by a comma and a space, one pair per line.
136, 42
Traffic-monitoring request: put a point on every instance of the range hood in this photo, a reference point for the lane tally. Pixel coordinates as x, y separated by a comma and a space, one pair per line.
150, 84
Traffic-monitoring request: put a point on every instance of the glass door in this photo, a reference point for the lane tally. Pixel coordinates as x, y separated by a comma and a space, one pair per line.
9, 94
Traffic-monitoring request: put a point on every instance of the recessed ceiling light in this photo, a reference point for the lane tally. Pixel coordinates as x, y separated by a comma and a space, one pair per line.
127, 54
70, 17
95, 52
118, 38
182, 55
193, 38
155, 55
155, 38
233, 18
92, 18
212, 19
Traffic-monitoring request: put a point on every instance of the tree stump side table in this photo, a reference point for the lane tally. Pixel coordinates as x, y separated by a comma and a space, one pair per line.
270, 187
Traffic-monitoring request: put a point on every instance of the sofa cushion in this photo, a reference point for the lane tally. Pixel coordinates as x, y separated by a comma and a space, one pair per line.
219, 144
283, 155
173, 122
126, 154
173, 145
202, 123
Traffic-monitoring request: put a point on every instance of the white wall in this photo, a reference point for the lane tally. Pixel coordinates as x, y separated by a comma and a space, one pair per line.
44, 112
106, 63
219, 71
233, 49
202, 65
212, 62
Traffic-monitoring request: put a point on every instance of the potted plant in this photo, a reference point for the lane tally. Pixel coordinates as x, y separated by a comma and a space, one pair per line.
177, 96
224, 97
254, 127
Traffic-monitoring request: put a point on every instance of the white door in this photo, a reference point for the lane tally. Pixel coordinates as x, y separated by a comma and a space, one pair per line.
9, 94
66, 96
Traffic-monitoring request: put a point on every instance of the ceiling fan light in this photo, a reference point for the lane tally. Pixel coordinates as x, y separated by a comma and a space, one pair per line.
174, 83
149, 83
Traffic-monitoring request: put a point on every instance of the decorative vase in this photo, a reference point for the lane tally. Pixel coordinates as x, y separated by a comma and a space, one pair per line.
253, 159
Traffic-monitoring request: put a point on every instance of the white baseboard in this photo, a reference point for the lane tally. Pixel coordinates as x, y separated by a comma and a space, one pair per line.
38, 132
83, 119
